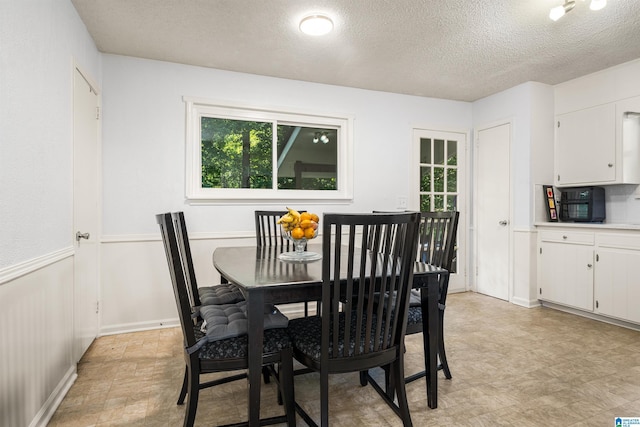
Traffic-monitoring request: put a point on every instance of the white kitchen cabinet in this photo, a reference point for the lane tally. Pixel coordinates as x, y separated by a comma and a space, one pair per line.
585, 146
617, 276
598, 145
565, 268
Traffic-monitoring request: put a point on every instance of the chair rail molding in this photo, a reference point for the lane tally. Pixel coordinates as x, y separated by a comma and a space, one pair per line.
13, 272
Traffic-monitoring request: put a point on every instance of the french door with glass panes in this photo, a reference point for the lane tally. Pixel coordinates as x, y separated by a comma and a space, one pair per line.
438, 184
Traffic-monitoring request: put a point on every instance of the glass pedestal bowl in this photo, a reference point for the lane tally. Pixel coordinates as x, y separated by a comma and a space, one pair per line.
299, 253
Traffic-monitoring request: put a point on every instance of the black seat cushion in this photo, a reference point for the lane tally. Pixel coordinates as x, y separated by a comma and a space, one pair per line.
306, 333
230, 320
237, 347
415, 307
226, 293
414, 316
414, 298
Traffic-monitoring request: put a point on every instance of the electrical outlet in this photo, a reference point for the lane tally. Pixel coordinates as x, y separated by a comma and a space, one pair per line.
402, 203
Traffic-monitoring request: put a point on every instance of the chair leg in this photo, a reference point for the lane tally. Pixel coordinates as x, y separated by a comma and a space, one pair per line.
397, 375
266, 375
324, 397
194, 390
287, 391
185, 383
363, 378
441, 353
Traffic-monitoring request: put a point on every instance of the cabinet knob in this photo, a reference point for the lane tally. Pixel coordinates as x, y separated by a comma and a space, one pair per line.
610, 165
589, 265
564, 237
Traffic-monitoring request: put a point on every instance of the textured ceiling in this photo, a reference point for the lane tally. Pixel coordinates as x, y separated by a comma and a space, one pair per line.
453, 49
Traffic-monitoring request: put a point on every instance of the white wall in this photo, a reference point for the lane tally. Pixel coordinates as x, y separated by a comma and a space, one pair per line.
529, 108
39, 41
144, 167
144, 138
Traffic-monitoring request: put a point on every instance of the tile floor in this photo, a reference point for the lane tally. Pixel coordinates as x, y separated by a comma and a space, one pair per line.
511, 366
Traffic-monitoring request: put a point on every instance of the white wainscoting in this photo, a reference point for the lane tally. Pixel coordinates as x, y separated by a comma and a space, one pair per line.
136, 291
36, 338
524, 268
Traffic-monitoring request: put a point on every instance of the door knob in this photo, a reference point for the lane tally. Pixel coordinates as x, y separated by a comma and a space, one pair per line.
503, 222
80, 235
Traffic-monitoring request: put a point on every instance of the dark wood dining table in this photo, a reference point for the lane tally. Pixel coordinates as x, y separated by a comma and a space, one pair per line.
263, 278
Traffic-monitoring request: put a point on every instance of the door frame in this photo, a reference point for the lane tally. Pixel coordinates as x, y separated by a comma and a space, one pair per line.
464, 201
77, 68
474, 231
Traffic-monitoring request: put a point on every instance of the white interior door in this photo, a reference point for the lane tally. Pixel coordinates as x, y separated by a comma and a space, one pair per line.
438, 184
492, 202
85, 213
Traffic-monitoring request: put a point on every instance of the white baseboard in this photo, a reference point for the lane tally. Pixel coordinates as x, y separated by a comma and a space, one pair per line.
589, 315
47, 410
525, 303
124, 328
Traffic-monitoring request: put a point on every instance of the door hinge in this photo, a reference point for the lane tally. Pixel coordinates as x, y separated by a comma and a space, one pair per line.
540, 251
597, 258
540, 291
97, 307
97, 113
597, 304
558, 123
558, 178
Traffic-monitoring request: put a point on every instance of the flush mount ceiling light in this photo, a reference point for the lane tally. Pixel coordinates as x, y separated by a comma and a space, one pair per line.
597, 4
559, 11
316, 25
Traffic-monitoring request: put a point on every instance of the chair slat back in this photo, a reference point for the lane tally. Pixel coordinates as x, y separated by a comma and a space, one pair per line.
438, 231
180, 227
268, 232
364, 254
178, 276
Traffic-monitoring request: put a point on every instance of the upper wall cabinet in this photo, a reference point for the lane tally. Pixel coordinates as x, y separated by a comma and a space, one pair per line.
599, 145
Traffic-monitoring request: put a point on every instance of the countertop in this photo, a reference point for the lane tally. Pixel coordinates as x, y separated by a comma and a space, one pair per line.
589, 225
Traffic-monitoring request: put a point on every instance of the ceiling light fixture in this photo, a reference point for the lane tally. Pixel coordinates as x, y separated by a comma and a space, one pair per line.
597, 4
559, 11
320, 137
316, 25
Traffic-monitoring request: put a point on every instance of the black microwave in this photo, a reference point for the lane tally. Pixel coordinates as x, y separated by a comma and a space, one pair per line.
582, 204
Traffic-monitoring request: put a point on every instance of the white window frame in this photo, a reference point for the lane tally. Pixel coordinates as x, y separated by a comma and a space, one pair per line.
198, 108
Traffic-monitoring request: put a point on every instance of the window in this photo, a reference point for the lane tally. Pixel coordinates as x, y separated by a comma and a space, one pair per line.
438, 174
438, 184
254, 153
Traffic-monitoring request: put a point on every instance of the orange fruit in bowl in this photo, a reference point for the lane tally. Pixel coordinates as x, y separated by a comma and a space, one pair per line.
297, 233
309, 233
306, 223
314, 217
305, 215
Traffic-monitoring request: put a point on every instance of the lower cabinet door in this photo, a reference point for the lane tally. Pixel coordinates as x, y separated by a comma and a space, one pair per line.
565, 274
617, 283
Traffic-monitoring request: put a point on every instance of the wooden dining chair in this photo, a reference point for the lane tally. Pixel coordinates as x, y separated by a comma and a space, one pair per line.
268, 231
222, 293
216, 340
353, 333
269, 234
436, 246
